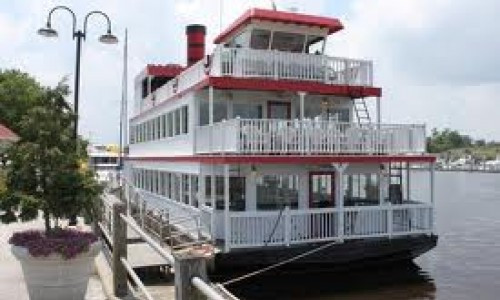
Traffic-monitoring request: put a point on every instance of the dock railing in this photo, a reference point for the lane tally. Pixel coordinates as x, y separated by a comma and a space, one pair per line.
190, 267
274, 136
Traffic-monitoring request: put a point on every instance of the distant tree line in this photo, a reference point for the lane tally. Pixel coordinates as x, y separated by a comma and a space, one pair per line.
447, 139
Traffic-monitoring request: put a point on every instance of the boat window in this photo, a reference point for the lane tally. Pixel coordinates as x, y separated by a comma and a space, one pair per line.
315, 44
220, 111
175, 187
185, 119
239, 41
260, 39
185, 189
289, 42
208, 191
194, 190
177, 121
338, 114
276, 191
247, 111
170, 121
164, 126
361, 189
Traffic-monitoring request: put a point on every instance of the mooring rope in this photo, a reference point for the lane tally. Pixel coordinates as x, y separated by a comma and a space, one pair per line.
279, 264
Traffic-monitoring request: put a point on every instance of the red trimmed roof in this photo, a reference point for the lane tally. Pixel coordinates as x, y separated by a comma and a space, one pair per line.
332, 24
7, 135
285, 85
288, 159
170, 70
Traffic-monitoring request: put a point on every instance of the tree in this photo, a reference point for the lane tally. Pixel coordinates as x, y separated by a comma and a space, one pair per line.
447, 139
18, 93
44, 173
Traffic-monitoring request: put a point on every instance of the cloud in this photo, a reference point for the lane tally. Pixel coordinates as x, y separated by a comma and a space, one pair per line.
437, 60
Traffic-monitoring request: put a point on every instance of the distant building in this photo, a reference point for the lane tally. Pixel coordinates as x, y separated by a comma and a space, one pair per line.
7, 135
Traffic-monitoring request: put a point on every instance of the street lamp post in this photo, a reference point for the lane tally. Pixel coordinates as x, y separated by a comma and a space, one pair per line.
79, 35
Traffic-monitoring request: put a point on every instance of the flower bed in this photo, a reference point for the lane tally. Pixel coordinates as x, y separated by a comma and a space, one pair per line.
66, 242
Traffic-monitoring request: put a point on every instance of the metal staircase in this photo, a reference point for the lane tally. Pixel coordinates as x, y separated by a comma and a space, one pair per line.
361, 110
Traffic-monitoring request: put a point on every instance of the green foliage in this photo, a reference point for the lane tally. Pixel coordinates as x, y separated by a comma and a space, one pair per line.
18, 92
44, 171
447, 139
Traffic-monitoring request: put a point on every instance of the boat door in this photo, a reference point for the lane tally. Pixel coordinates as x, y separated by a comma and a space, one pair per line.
322, 195
279, 110
321, 189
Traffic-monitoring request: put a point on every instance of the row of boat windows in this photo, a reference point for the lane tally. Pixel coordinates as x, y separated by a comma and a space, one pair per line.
173, 123
272, 191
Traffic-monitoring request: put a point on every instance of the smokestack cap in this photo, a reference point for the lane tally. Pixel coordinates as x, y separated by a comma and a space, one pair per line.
196, 28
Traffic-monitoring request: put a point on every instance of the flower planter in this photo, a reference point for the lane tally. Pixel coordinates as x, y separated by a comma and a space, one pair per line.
55, 278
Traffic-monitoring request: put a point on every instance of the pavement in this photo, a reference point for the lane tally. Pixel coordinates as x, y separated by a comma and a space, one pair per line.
12, 285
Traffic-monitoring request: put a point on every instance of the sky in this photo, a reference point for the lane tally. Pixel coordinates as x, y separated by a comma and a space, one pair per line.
437, 61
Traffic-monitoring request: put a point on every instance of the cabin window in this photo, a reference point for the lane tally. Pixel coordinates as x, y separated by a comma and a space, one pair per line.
239, 41
220, 111
185, 189
177, 121
260, 39
276, 191
164, 126
168, 189
194, 190
208, 190
176, 187
289, 42
361, 189
315, 44
338, 114
170, 123
185, 120
144, 88
247, 111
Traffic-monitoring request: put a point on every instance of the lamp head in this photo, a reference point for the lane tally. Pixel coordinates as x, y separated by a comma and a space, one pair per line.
47, 31
108, 38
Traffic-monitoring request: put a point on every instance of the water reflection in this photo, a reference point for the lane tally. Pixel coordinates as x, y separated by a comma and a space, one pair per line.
401, 281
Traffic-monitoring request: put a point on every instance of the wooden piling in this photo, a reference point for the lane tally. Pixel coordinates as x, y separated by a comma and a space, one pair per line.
189, 264
119, 250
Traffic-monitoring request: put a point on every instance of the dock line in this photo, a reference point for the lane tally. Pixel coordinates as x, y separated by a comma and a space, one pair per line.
277, 265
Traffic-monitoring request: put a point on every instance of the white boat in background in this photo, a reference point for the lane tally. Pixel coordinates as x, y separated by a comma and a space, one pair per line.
104, 161
492, 165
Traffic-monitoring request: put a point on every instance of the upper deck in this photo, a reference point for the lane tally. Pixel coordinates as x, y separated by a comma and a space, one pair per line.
270, 46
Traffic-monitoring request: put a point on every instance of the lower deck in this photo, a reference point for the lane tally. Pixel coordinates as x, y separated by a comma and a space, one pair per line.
244, 206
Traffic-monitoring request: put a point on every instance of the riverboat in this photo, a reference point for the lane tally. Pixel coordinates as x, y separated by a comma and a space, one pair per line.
267, 149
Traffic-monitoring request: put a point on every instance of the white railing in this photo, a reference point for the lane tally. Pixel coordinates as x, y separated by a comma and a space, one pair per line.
261, 136
185, 80
239, 62
286, 227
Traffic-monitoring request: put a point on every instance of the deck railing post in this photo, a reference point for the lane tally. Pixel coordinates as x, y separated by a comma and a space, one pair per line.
227, 220
119, 250
188, 265
389, 219
288, 225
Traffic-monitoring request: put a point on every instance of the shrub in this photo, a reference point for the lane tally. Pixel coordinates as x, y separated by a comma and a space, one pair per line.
66, 242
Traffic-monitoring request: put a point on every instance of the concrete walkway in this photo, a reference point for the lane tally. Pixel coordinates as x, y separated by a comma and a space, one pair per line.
12, 284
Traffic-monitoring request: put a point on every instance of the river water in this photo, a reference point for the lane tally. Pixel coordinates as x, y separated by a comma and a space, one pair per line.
464, 265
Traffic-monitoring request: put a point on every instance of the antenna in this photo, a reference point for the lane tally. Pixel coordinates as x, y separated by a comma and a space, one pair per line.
273, 4
221, 10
